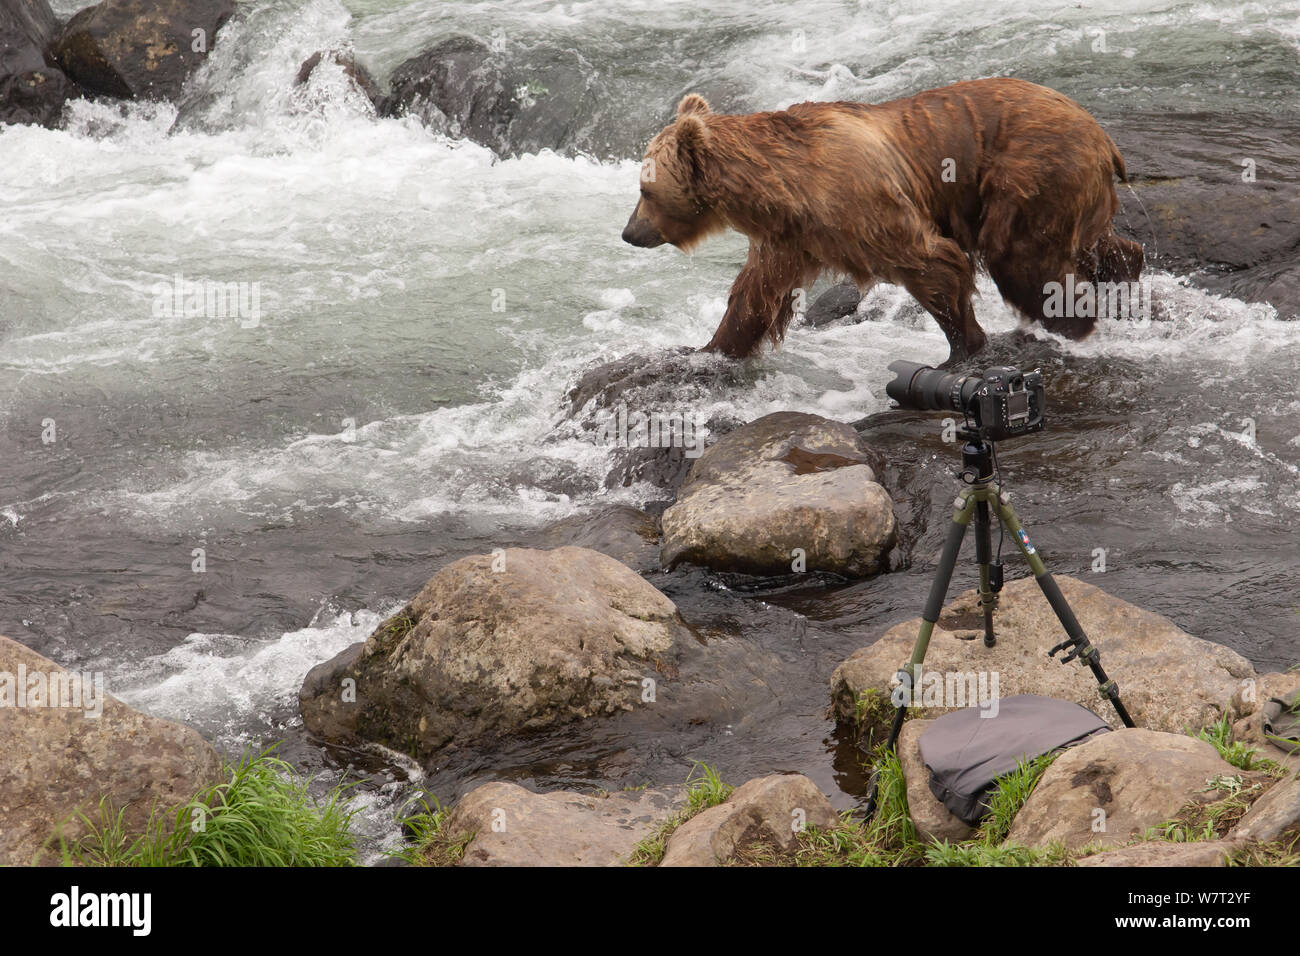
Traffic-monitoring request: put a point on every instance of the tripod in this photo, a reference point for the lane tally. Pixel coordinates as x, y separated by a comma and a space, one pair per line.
981, 495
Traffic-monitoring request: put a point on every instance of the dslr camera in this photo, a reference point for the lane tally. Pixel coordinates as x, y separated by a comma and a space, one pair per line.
1003, 403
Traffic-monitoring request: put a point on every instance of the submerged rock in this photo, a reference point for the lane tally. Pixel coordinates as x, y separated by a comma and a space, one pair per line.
620, 531
57, 761
835, 303
1111, 788
357, 73
497, 644
140, 49
512, 826
786, 492
1167, 679
771, 811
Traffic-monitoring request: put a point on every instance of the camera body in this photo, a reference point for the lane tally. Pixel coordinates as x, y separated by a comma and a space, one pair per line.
1003, 403
1009, 403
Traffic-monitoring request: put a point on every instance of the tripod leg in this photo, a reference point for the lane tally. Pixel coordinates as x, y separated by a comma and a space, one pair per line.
1077, 644
984, 555
961, 519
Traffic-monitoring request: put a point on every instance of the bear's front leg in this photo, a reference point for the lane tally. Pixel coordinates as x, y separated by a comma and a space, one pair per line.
761, 300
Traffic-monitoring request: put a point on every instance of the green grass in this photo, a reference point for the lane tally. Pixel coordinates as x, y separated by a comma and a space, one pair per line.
1009, 794
1209, 821
705, 788
431, 846
1238, 753
262, 816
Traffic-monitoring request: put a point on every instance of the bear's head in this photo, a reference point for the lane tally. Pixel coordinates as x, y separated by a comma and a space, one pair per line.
673, 207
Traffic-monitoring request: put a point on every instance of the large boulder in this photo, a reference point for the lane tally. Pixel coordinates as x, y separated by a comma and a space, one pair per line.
1214, 200
496, 644
1275, 813
1167, 679
512, 826
933, 821
58, 761
1160, 853
520, 99
140, 49
31, 89
785, 485
771, 811
1111, 788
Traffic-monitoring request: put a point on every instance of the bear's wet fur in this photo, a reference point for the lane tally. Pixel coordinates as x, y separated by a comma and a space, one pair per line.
998, 173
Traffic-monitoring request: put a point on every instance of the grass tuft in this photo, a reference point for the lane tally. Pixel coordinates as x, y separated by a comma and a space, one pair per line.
262, 816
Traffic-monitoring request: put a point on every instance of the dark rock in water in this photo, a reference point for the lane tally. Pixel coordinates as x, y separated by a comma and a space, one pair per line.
35, 97
458, 88
1196, 209
664, 468
835, 303
140, 48
32, 90
617, 401
622, 532
355, 71
521, 101
27, 28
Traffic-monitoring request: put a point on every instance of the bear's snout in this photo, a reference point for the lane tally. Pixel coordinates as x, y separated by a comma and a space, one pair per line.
640, 231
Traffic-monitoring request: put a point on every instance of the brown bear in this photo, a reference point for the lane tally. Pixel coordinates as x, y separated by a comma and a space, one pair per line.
918, 191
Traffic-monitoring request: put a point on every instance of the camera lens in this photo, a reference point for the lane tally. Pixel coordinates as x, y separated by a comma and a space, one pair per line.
922, 387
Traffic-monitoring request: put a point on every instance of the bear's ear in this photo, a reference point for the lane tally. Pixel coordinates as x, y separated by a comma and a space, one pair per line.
692, 103
692, 138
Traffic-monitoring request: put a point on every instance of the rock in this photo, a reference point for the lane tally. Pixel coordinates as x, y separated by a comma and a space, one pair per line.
784, 482
1139, 778
31, 89
769, 810
835, 303
1248, 704
357, 73
1167, 679
1272, 815
26, 29
134, 49
1161, 853
519, 100
58, 761
1194, 211
551, 636
933, 821
620, 531
516, 827
616, 401
34, 97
